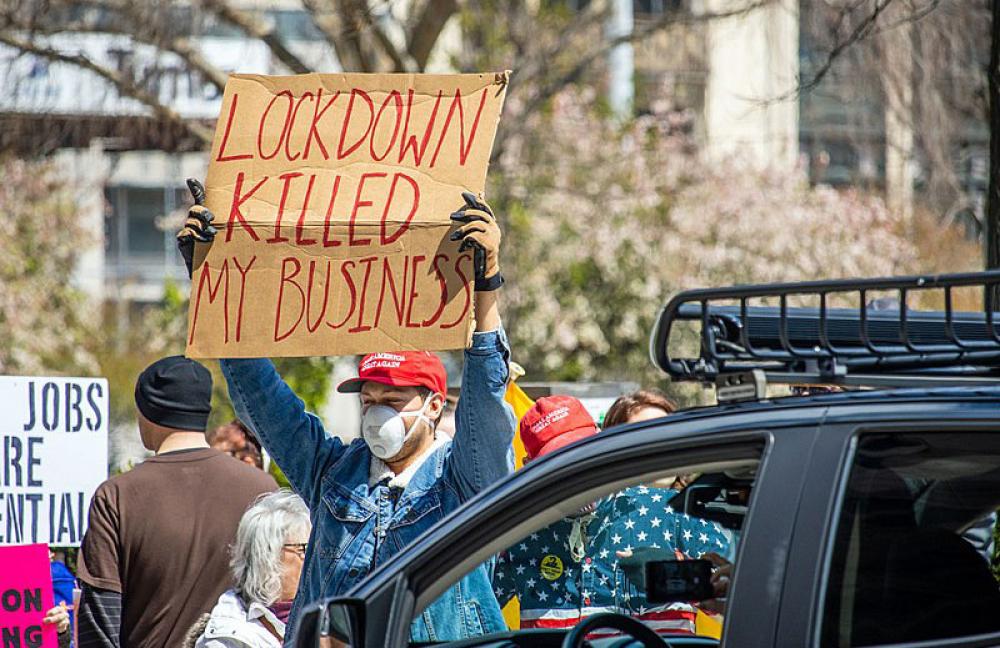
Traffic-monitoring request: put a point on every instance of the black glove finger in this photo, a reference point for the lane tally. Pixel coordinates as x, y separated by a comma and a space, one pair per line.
197, 191
201, 213
465, 230
479, 258
468, 215
471, 244
188, 234
195, 224
472, 200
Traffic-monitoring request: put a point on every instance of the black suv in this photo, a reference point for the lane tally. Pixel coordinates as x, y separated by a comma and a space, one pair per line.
858, 516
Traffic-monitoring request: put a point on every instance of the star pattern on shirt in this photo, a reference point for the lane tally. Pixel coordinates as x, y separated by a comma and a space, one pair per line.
543, 573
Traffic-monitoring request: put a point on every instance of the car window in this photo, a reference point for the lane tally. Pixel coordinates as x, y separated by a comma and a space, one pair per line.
595, 559
914, 541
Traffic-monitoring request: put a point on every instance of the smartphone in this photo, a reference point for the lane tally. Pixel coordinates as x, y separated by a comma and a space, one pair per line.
669, 581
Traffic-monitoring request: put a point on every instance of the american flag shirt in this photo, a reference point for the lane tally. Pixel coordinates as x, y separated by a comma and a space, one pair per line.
557, 591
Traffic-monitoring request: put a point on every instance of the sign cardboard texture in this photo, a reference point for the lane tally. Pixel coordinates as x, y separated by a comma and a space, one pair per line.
332, 195
25, 597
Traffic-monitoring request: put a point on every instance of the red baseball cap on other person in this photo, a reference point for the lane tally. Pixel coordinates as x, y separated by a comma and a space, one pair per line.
554, 422
399, 369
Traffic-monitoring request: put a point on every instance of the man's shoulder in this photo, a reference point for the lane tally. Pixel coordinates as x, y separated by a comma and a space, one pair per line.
210, 460
245, 474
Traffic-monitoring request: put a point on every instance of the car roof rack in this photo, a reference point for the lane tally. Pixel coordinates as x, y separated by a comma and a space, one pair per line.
880, 342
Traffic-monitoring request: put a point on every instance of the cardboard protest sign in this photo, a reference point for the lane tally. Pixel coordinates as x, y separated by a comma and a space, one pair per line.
332, 195
25, 597
53, 456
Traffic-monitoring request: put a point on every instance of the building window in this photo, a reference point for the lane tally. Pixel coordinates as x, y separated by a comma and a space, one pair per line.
139, 238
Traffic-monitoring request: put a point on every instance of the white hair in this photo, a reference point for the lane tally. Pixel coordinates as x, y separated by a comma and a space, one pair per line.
256, 556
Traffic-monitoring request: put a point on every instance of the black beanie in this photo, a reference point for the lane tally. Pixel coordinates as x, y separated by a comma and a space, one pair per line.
175, 392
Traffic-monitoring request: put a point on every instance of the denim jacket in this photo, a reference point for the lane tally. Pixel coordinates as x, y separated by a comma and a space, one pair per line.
357, 527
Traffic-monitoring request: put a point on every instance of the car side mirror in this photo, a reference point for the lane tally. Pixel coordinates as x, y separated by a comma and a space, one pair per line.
721, 500
337, 623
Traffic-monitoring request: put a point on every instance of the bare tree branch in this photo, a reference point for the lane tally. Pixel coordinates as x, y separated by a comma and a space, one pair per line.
427, 29
329, 23
124, 86
179, 45
133, 25
256, 28
402, 61
861, 31
351, 33
668, 18
184, 48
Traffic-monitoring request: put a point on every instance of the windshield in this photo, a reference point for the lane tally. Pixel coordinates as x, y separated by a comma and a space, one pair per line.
660, 552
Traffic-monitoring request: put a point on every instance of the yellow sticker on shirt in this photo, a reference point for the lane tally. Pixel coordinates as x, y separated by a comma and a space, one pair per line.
552, 567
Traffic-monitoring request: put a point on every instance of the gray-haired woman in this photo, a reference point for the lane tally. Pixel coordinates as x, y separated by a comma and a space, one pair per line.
267, 561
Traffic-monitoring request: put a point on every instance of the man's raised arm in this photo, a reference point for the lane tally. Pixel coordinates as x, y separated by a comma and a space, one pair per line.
484, 422
263, 401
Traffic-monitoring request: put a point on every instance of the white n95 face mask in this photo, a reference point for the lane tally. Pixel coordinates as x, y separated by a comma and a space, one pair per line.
385, 431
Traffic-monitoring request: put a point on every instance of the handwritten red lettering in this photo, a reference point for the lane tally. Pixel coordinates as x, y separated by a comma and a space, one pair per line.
225, 136
410, 142
284, 129
413, 291
287, 178
204, 279
405, 224
468, 293
358, 204
436, 264
398, 299
243, 291
349, 280
234, 210
341, 153
397, 101
287, 278
463, 146
327, 242
288, 140
310, 326
359, 327
300, 239
313, 131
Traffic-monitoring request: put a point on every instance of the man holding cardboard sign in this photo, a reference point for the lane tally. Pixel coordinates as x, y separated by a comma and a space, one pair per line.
369, 499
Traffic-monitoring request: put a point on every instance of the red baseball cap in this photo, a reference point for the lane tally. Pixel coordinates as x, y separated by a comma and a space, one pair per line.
554, 422
399, 369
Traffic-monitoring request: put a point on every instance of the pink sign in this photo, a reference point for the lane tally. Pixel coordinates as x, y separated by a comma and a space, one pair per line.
25, 597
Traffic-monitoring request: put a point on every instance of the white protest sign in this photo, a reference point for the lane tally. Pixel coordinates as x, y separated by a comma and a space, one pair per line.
53, 456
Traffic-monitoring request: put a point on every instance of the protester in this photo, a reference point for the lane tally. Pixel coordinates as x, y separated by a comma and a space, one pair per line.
577, 555
63, 583
369, 499
266, 562
642, 405
238, 442
154, 556
645, 405
59, 617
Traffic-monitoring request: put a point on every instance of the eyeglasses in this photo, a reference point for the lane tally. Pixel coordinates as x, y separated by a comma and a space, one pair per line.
298, 548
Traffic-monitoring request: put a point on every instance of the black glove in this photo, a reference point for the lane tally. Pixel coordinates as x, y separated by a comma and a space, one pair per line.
481, 233
197, 227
